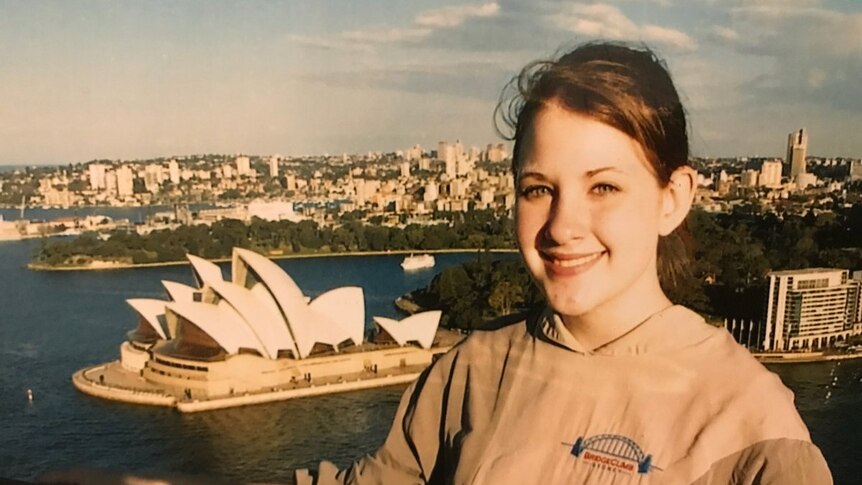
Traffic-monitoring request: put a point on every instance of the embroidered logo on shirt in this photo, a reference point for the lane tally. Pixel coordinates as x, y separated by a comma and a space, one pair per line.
618, 453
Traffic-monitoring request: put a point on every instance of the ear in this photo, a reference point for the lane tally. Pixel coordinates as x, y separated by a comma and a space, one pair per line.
677, 199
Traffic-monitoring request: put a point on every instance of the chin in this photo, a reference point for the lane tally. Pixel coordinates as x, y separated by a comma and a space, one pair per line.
565, 303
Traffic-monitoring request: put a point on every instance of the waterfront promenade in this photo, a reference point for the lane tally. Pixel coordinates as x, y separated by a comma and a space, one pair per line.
113, 382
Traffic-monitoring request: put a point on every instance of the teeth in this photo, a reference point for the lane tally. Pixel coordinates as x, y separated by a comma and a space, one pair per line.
568, 263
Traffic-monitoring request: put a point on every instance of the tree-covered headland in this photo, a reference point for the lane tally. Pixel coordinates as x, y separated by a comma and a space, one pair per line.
471, 230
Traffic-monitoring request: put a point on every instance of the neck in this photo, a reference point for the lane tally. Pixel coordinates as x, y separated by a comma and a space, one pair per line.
616, 317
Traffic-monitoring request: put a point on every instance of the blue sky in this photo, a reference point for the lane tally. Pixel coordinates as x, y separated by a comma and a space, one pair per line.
131, 79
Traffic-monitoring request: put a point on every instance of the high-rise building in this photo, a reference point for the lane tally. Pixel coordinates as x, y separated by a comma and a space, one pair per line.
125, 181
797, 149
405, 169
749, 178
153, 178
855, 170
174, 172
273, 166
111, 182
770, 174
810, 308
446, 153
243, 166
97, 176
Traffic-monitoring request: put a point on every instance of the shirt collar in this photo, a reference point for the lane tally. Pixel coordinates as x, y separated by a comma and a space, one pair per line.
671, 328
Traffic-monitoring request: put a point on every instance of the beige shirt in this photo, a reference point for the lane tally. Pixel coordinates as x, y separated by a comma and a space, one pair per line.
674, 401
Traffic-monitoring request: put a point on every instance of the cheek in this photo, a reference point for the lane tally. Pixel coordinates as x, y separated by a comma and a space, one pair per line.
632, 229
530, 221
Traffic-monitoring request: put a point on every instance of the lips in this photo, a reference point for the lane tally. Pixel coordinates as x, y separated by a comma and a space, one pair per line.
570, 264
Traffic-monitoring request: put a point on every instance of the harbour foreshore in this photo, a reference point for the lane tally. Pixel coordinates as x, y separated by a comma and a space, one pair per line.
99, 265
803, 357
112, 381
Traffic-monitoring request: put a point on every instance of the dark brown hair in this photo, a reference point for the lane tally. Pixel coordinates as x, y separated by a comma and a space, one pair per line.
624, 87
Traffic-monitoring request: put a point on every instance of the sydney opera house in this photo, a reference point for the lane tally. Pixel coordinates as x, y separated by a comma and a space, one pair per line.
258, 338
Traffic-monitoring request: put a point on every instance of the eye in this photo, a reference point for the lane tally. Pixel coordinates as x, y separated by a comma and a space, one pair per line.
535, 191
604, 189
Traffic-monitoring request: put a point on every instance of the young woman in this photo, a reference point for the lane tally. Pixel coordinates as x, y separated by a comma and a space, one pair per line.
612, 383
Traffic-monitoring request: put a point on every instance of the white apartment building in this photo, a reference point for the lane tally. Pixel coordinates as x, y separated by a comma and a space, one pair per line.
273, 166
748, 178
125, 181
770, 174
174, 172
811, 308
97, 175
243, 166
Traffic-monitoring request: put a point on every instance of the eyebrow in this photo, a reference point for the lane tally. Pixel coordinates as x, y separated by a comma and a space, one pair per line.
596, 171
538, 175
587, 174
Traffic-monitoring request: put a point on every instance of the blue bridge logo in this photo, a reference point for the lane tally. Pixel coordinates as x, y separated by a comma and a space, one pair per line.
617, 452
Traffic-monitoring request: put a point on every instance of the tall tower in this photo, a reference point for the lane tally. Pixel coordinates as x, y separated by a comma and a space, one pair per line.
797, 148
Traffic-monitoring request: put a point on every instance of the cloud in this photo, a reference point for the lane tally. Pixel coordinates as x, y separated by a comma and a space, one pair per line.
474, 79
454, 16
424, 24
773, 30
725, 34
609, 22
385, 36
815, 53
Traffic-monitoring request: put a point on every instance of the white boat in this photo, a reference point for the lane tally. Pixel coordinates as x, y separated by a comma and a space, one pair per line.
417, 262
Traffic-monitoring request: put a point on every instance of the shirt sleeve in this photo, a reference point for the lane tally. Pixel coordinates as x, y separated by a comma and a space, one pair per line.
771, 462
411, 450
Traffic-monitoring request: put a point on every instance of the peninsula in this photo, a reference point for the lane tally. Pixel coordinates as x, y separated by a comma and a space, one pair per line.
257, 338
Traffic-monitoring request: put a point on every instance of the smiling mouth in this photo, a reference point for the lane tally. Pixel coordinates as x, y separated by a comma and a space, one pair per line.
571, 265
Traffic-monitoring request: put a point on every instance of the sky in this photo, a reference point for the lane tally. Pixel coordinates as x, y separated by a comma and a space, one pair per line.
83, 80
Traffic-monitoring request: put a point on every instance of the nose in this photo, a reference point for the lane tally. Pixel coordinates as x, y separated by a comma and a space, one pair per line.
568, 220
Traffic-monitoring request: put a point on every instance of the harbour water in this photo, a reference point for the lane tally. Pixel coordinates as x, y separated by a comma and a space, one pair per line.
52, 324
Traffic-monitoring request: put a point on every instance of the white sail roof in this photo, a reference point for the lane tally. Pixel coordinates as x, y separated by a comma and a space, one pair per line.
221, 322
307, 325
260, 314
262, 308
204, 271
345, 309
178, 291
420, 328
150, 309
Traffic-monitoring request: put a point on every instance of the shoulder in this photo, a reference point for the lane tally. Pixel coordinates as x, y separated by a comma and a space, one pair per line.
768, 462
487, 346
503, 332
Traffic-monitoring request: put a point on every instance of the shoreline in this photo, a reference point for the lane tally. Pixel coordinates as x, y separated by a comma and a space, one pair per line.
802, 357
85, 381
108, 265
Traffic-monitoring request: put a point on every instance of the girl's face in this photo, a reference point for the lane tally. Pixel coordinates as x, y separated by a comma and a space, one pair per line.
589, 214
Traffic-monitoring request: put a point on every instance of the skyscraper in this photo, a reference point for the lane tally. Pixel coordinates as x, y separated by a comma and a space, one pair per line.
797, 148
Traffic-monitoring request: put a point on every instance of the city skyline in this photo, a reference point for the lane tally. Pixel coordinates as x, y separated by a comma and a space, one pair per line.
129, 80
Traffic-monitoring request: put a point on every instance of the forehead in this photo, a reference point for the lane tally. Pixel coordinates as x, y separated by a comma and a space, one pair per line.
564, 141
